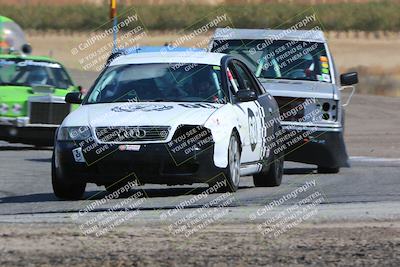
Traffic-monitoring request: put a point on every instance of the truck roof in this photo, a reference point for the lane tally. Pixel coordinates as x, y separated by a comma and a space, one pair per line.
262, 34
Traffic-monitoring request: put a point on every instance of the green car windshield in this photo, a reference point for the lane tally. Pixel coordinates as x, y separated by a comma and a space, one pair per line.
280, 59
25, 72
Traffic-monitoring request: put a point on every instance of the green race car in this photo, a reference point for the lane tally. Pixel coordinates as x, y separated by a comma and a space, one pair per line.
32, 92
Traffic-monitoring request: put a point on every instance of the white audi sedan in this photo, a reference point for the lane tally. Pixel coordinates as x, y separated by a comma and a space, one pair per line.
172, 118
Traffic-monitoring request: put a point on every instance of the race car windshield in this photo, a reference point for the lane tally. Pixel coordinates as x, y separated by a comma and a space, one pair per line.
280, 59
158, 82
33, 73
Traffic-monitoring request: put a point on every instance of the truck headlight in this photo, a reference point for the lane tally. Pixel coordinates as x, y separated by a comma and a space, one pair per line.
76, 133
328, 108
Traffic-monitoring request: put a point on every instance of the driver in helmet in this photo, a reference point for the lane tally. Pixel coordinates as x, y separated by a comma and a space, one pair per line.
205, 89
38, 77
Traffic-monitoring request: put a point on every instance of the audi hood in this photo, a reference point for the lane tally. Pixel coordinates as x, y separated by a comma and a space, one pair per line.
141, 113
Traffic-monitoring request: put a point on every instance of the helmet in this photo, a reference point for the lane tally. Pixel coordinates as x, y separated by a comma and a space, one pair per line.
12, 38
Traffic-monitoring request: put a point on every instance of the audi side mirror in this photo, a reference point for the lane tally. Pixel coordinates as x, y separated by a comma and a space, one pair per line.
349, 78
246, 95
73, 98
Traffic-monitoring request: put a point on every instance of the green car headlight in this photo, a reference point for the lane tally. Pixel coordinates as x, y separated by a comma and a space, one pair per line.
16, 108
77, 133
3, 108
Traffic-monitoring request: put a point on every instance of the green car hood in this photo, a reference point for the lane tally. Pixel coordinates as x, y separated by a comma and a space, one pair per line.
14, 99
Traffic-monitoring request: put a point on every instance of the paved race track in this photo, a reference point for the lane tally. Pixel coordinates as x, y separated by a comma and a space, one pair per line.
356, 224
25, 185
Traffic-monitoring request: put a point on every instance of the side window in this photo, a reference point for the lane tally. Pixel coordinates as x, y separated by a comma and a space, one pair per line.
61, 78
245, 76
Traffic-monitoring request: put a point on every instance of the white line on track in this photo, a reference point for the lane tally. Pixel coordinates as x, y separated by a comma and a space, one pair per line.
373, 159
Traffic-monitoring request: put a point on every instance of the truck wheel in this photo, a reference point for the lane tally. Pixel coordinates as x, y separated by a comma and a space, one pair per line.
272, 177
232, 172
328, 169
63, 189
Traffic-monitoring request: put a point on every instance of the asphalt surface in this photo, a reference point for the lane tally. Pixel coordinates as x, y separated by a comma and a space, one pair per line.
372, 139
352, 221
25, 186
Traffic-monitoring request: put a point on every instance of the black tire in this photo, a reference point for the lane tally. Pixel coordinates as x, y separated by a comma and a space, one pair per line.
232, 171
64, 189
328, 169
273, 175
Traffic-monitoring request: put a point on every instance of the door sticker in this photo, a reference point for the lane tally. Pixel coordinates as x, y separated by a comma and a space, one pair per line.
252, 129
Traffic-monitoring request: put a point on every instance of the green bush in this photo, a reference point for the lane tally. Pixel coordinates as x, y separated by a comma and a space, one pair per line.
340, 17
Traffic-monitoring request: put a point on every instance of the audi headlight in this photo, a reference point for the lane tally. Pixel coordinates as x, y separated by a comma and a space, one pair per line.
77, 133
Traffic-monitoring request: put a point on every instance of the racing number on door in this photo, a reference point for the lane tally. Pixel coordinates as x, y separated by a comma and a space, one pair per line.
253, 130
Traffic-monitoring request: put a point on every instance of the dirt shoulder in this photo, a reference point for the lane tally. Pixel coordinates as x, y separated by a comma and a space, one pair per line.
349, 244
373, 126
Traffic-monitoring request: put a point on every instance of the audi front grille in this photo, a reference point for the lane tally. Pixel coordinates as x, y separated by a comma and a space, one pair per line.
124, 134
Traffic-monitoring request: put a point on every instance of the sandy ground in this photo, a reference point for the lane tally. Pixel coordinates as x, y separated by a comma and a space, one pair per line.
361, 244
372, 126
348, 52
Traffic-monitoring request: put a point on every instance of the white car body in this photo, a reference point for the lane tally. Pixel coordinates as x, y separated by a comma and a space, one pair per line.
246, 119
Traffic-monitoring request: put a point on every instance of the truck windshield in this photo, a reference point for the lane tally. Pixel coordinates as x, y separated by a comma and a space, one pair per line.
158, 82
33, 73
280, 59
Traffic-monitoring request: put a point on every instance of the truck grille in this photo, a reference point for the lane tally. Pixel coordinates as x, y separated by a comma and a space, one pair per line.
48, 113
121, 134
290, 108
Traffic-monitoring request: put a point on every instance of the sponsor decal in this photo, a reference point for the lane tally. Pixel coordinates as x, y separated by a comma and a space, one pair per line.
326, 77
78, 155
198, 105
323, 59
31, 63
129, 147
141, 107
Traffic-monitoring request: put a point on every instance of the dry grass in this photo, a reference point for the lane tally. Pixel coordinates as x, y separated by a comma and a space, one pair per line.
376, 59
166, 2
